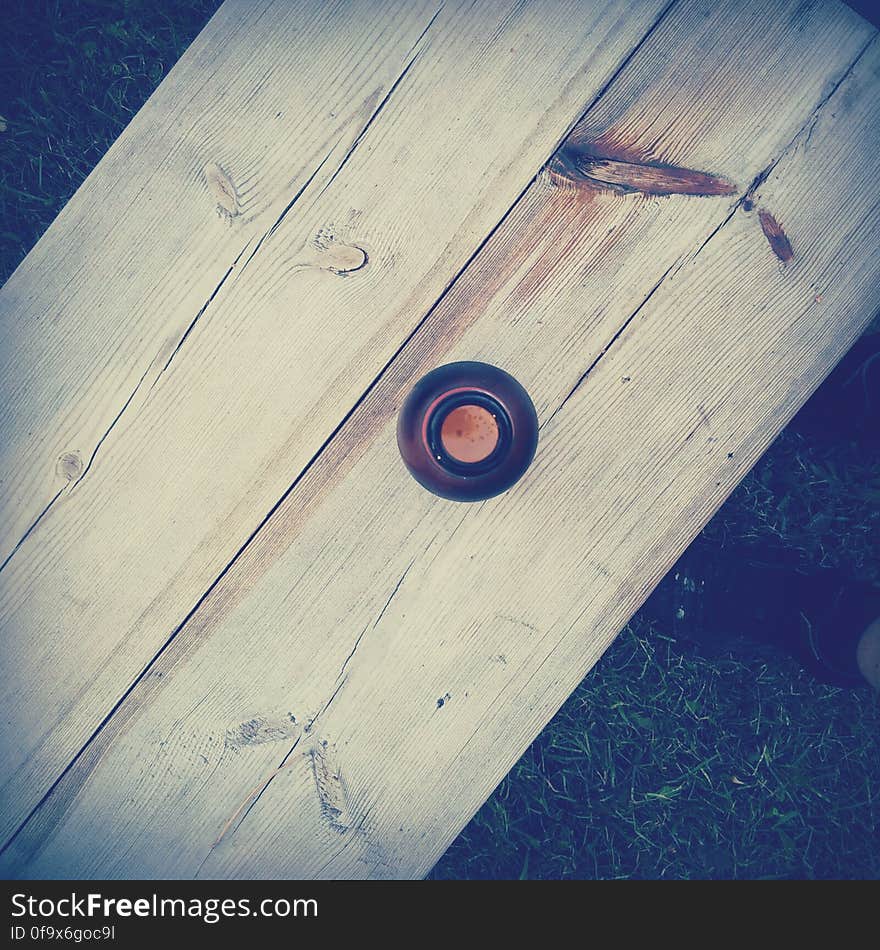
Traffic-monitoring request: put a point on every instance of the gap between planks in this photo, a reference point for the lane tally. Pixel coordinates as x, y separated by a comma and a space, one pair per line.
559, 152
743, 198
172, 357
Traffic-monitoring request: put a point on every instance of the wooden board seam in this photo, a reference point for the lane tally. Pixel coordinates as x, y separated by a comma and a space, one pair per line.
414, 54
809, 123
679, 262
233, 824
746, 196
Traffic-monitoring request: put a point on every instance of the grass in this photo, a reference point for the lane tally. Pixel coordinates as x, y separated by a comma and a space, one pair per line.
72, 75
671, 759
668, 764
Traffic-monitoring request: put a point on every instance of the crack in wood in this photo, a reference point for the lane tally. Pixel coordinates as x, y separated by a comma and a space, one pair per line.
250, 801
310, 724
393, 594
247, 805
609, 344
746, 200
73, 478
353, 651
198, 317
271, 230
369, 389
568, 166
32, 527
110, 428
384, 102
290, 205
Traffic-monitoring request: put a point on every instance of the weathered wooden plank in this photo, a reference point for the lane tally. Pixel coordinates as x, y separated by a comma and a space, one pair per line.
295, 725
224, 412
205, 167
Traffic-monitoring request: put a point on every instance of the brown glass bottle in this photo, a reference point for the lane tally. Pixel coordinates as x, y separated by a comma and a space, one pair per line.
467, 431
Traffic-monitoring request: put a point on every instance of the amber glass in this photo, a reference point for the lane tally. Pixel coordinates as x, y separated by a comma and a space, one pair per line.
467, 431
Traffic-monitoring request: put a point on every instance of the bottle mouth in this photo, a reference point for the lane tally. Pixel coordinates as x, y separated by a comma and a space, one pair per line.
469, 433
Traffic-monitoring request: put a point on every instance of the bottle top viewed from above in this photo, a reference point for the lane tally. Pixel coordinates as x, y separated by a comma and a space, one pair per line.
467, 431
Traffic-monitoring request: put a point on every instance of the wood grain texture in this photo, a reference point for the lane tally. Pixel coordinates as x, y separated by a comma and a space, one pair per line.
406, 152
377, 658
206, 166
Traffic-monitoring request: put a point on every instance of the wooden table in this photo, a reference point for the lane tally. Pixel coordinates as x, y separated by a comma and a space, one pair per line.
238, 638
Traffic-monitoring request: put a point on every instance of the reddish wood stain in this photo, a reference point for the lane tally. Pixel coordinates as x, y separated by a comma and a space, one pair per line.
655, 179
647, 178
776, 236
